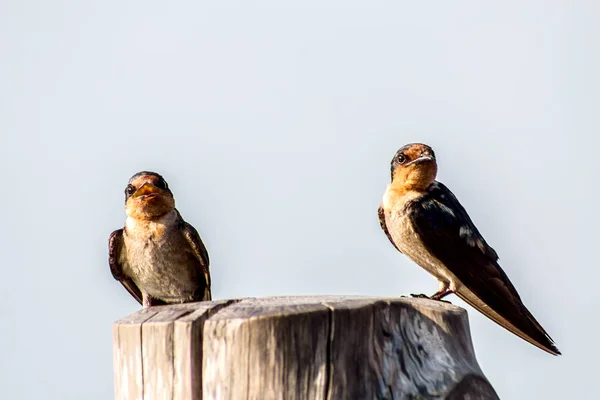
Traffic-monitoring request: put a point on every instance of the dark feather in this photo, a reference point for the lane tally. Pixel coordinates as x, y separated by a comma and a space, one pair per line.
115, 246
201, 255
381, 214
446, 230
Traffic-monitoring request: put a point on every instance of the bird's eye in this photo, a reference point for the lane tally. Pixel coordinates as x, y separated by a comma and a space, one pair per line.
162, 184
129, 190
401, 158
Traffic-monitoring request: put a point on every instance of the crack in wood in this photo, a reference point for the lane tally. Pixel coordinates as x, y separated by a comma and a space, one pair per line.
329, 366
323, 348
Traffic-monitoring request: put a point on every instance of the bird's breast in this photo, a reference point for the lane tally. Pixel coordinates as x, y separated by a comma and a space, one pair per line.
160, 260
401, 229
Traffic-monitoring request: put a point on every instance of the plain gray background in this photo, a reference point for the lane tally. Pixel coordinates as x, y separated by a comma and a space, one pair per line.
274, 124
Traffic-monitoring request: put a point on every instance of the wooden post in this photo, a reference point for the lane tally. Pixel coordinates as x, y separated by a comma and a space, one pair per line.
298, 348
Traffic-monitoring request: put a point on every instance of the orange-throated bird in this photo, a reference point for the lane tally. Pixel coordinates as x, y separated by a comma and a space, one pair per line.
158, 257
425, 222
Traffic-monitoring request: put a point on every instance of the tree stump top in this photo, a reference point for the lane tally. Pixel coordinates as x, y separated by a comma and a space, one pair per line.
323, 347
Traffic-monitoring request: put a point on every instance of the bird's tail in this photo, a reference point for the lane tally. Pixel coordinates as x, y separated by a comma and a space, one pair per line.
527, 329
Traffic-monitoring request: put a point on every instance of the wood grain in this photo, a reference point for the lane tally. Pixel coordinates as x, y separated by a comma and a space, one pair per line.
267, 349
127, 355
327, 347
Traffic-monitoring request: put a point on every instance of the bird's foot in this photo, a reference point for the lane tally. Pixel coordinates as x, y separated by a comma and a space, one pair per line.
150, 301
441, 294
420, 296
424, 296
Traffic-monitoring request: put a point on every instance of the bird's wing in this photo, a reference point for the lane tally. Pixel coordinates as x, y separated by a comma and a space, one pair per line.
200, 254
115, 246
381, 214
446, 230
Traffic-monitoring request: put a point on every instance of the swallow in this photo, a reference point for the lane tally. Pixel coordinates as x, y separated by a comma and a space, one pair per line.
157, 256
424, 221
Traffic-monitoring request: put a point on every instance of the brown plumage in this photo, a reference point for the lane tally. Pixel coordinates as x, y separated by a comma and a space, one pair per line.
158, 257
425, 221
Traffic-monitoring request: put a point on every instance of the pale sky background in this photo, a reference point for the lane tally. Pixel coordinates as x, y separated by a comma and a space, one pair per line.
274, 125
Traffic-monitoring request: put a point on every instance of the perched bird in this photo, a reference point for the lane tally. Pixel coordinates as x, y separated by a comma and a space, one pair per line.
158, 257
425, 222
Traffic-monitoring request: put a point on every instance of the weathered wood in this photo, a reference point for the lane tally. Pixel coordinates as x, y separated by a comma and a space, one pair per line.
298, 348
267, 349
127, 355
188, 352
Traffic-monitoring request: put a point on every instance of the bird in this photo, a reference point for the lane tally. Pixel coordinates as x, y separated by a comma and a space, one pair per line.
425, 221
157, 256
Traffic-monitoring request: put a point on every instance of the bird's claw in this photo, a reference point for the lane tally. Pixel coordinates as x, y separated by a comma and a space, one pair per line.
424, 296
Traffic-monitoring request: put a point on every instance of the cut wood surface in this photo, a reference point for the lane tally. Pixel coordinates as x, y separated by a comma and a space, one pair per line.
325, 347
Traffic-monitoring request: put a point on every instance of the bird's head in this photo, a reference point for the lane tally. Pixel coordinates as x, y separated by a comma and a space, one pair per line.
414, 167
148, 196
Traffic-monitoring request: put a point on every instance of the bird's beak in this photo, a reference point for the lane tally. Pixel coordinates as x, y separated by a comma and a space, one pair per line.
422, 158
147, 189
